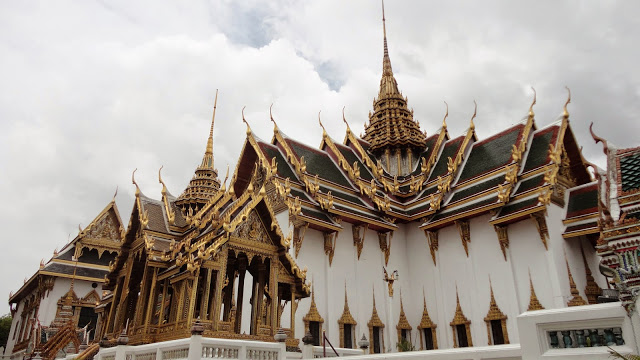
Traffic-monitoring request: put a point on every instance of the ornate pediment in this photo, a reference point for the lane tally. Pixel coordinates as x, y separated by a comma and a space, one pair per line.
104, 228
253, 230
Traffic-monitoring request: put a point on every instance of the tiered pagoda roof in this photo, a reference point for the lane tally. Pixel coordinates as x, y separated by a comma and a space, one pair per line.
391, 125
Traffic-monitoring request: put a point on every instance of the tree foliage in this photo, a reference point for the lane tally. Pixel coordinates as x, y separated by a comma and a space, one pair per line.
5, 327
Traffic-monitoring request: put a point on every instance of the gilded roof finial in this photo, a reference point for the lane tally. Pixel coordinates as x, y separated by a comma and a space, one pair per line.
164, 187
245, 121
531, 113
493, 299
472, 126
386, 62
597, 139
213, 118
114, 195
275, 126
444, 120
565, 113
534, 303
424, 298
133, 180
324, 131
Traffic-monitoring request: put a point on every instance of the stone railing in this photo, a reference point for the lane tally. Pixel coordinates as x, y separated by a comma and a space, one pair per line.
196, 348
583, 332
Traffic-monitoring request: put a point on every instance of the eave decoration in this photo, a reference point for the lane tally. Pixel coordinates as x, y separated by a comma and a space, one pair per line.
359, 232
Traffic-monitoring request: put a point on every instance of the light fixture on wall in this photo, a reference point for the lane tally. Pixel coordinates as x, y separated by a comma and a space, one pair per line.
390, 279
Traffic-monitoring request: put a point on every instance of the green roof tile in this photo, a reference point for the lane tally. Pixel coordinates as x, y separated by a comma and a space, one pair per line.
490, 153
539, 149
529, 184
583, 201
319, 163
477, 188
630, 171
450, 150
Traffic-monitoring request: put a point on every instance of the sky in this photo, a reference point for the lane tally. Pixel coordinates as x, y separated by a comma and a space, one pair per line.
91, 90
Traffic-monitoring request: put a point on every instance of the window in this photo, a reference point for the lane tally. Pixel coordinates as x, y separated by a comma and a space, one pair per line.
347, 338
314, 328
403, 335
461, 335
496, 332
428, 338
376, 339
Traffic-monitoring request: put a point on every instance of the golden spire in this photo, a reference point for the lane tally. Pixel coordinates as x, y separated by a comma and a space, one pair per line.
114, 195
494, 311
346, 317
425, 321
391, 125
403, 323
209, 150
576, 299
375, 319
205, 182
534, 304
313, 314
592, 290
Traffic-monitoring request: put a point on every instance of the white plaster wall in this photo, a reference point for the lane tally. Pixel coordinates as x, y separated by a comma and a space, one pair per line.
49, 304
410, 255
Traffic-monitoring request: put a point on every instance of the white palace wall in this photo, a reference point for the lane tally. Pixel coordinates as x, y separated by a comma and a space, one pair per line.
411, 257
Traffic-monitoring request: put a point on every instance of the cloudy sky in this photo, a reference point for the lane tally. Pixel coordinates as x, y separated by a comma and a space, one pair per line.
90, 90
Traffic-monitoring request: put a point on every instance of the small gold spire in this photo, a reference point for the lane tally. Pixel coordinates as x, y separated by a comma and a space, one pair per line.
444, 120
209, 150
472, 126
133, 180
114, 195
534, 303
531, 113
576, 299
565, 113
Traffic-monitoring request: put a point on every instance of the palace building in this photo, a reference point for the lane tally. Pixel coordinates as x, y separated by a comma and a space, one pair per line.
436, 239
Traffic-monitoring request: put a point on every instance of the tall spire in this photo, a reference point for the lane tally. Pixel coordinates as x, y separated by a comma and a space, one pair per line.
205, 182
388, 84
391, 125
207, 160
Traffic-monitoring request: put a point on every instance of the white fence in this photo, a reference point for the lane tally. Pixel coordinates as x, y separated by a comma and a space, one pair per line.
582, 332
196, 348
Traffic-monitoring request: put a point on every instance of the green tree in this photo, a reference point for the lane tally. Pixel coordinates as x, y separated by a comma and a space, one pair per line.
5, 327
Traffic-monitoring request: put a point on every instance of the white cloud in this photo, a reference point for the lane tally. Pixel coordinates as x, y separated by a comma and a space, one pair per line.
92, 90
